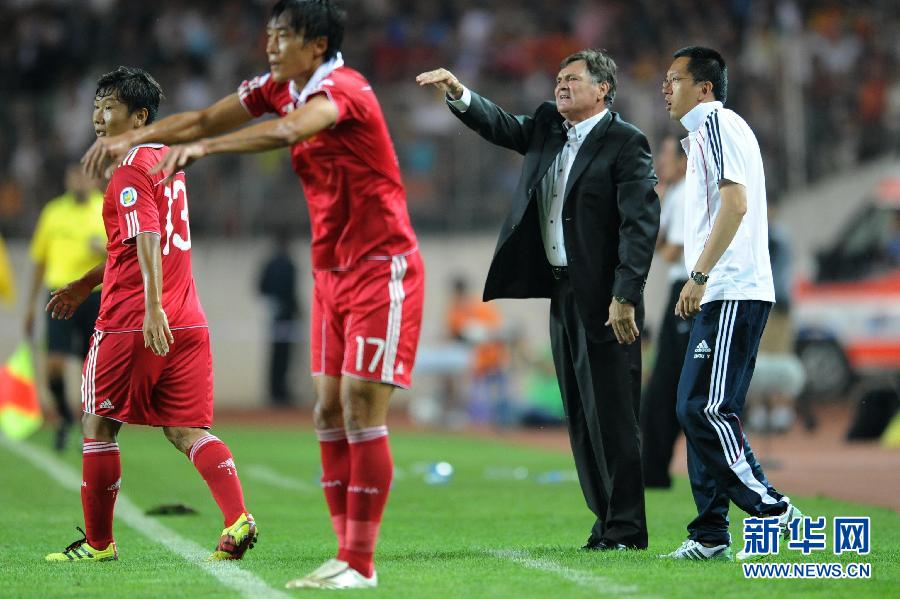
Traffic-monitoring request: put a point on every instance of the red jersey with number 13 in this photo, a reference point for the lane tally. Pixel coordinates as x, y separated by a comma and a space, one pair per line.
350, 172
137, 202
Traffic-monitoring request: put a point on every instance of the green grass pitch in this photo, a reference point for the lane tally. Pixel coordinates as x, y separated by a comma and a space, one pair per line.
485, 533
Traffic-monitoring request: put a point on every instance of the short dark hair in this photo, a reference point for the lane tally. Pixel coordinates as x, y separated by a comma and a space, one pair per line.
133, 87
600, 66
706, 64
315, 18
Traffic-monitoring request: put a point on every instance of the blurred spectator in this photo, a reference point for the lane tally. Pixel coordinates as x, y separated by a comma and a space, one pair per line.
779, 376
69, 240
278, 285
479, 325
878, 403
542, 404
776, 48
659, 424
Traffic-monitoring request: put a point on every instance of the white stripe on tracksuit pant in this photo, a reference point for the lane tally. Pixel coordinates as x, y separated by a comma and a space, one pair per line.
717, 370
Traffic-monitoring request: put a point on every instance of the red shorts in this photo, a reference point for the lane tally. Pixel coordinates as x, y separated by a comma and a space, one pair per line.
125, 381
366, 321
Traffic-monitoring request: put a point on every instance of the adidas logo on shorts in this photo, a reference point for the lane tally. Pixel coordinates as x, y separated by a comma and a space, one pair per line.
702, 350
107, 405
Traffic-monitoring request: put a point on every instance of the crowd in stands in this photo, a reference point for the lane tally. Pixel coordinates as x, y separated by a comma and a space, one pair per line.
818, 80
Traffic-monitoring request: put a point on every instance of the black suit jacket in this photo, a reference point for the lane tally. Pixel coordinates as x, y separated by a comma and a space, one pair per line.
610, 214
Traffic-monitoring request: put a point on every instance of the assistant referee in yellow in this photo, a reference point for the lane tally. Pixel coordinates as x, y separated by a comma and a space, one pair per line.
69, 241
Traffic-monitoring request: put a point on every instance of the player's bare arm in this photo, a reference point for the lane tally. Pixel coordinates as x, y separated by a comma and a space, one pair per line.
37, 283
317, 114
443, 80
731, 213
225, 115
65, 300
157, 335
670, 252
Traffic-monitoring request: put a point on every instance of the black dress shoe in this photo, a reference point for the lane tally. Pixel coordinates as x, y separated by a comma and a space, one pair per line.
595, 544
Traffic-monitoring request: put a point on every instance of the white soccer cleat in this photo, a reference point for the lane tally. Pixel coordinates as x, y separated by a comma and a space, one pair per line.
328, 568
311, 580
334, 574
692, 550
784, 521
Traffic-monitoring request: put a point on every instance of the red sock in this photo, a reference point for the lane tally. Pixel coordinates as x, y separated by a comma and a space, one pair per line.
371, 471
213, 460
335, 478
101, 473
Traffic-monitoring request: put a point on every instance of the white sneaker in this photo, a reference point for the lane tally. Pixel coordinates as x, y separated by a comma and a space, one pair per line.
784, 520
789, 515
692, 550
334, 574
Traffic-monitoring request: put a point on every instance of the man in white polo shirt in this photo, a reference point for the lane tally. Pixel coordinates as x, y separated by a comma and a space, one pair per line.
730, 293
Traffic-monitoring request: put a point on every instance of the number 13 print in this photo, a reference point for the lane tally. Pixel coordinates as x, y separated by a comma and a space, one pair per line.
176, 190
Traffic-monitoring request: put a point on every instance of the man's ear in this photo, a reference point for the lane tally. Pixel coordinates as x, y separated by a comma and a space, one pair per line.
706, 88
604, 89
320, 46
139, 117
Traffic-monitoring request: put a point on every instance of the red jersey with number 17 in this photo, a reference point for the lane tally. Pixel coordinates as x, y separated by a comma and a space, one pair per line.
137, 202
350, 173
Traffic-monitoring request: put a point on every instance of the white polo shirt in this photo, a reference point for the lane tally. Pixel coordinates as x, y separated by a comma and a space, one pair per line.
721, 146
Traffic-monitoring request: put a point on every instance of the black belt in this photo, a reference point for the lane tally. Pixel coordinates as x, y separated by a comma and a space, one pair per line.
559, 272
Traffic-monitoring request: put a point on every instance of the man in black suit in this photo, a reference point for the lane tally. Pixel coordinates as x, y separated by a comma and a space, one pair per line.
581, 231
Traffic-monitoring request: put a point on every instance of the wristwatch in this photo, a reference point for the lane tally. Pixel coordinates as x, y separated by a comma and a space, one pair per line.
700, 278
621, 299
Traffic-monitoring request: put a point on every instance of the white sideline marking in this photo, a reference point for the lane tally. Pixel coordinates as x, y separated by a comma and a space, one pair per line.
588, 580
267, 475
228, 573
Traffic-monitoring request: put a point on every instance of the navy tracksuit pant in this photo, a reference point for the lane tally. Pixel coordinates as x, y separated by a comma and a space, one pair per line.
717, 370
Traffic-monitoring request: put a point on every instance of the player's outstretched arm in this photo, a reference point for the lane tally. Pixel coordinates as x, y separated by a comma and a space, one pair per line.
225, 115
317, 114
65, 300
157, 335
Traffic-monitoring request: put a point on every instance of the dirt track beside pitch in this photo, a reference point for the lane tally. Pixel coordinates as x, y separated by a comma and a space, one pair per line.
797, 463
800, 462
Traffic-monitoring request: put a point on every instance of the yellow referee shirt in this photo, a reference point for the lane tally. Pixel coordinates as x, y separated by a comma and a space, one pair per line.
70, 238
7, 280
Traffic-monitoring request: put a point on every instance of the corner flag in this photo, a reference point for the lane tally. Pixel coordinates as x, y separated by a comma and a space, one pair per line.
20, 412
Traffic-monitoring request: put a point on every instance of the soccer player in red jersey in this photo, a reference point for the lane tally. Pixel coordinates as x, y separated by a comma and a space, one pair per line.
368, 292
150, 360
